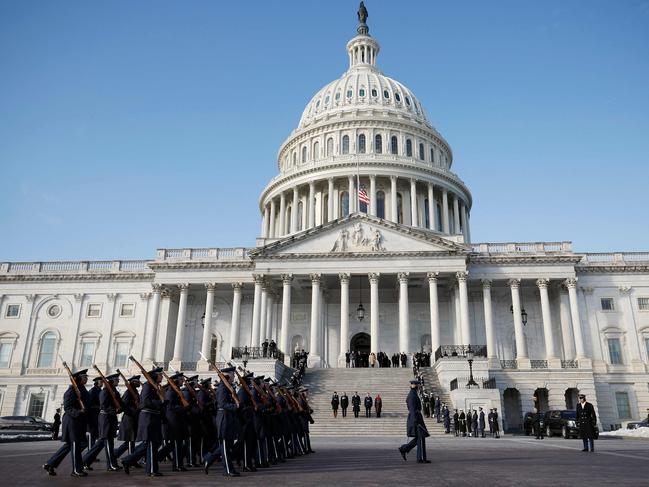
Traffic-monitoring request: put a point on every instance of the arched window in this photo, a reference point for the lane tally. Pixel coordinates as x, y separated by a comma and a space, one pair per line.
287, 221
378, 144
426, 213
304, 154
408, 147
325, 209
345, 144
294, 158
48, 350
399, 208
330, 147
421, 152
439, 217
316, 151
380, 204
432, 155
344, 203
361, 144
394, 145
300, 212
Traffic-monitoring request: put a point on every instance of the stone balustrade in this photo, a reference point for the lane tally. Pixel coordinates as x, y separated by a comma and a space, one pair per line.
217, 254
74, 267
522, 247
615, 258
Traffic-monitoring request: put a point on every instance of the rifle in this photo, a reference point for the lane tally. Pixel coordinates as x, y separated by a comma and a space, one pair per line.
243, 383
131, 390
148, 378
261, 393
223, 378
278, 408
176, 389
111, 391
75, 386
308, 409
291, 399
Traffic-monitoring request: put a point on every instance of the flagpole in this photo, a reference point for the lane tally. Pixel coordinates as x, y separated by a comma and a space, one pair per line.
358, 184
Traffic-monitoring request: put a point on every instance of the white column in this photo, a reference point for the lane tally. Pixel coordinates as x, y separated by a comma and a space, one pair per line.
152, 326
413, 203
180, 324
263, 314
393, 199
256, 310
446, 225
311, 206
465, 232
571, 284
286, 313
266, 222
330, 200
375, 337
206, 342
315, 319
465, 324
282, 215
372, 195
404, 318
566, 325
488, 320
432, 214
352, 195
296, 203
270, 315
456, 215
235, 325
271, 225
344, 317
550, 349
435, 332
521, 343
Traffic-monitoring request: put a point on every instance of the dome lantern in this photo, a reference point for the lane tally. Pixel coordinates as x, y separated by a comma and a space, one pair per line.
362, 49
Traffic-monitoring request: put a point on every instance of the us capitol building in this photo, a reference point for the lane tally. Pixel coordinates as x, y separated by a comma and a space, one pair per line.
366, 208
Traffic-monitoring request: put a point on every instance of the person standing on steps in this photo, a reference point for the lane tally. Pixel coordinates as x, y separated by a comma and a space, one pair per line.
378, 405
356, 404
456, 423
447, 419
335, 402
368, 405
344, 403
462, 418
347, 359
438, 408
481, 423
416, 428
586, 420
496, 427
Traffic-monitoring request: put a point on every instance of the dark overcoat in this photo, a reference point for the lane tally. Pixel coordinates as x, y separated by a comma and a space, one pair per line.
344, 401
128, 426
175, 414
258, 416
92, 408
481, 420
226, 422
356, 403
149, 427
74, 420
415, 418
107, 424
586, 420
335, 401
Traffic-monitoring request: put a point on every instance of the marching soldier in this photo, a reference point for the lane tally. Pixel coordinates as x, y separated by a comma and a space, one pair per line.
93, 411
416, 427
193, 420
176, 425
207, 413
108, 420
74, 426
260, 423
128, 426
247, 438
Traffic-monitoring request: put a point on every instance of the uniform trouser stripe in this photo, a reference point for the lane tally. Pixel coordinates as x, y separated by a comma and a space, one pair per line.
226, 461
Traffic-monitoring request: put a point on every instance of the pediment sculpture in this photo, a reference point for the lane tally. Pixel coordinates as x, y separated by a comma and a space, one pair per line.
357, 240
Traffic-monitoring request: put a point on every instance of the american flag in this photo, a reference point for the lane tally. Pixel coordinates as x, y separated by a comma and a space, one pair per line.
363, 197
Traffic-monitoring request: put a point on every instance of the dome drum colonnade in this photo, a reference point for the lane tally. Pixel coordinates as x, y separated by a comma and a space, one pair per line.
368, 127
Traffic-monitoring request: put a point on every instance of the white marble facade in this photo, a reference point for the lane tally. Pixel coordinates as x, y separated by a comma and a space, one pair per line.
407, 256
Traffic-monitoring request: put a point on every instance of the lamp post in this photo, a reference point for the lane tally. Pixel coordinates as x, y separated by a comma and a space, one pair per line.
360, 311
523, 314
245, 356
469, 356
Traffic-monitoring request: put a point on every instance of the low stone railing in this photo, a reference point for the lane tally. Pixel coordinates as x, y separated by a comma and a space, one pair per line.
521, 247
615, 258
73, 267
235, 253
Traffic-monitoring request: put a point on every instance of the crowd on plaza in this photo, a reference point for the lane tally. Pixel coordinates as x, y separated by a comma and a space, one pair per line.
342, 402
356, 359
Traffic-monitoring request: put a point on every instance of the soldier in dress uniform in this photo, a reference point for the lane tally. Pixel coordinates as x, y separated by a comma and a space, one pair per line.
108, 421
481, 422
462, 419
474, 423
356, 404
74, 426
447, 419
93, 411
193, 419
176, 425
149, 428
456, 423
247, 438
207, 412
260, 425
128, 426
416, 427
307, 419
493, 422
586, 420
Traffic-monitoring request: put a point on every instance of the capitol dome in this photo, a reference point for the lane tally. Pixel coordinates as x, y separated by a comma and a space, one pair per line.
365, 145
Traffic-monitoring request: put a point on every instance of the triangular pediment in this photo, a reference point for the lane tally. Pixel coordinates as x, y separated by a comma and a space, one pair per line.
361, 234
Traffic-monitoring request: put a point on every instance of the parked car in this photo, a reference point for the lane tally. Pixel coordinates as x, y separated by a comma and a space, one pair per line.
563, 422
632, 425
24, 423
528, 423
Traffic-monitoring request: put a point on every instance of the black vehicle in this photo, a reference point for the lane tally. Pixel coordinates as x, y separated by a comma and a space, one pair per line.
24, 423
632, 425
563, 422
528, 422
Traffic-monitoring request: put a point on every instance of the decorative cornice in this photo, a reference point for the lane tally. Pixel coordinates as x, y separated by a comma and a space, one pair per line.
523, 259
624, 290
86, 277
163, 266
612, 269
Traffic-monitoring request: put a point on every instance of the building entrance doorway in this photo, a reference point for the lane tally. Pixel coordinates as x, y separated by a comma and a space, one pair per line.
360, 343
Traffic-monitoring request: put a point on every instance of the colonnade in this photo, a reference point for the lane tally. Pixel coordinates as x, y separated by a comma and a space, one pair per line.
281, 215
264, 324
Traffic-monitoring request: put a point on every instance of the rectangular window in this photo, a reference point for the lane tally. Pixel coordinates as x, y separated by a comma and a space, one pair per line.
623, 406
614, 351
87, 354
94, 310
643, 304
13, 311
127, 310
36, 405
121, 354
646, 346
5, 355
607, 304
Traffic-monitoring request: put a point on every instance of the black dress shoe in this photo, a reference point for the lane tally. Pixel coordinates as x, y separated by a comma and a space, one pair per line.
126, 468
423, 461
190, 465
232, 474
79, 474
155, 474
87, 467
585, 449
403, 454
49, 469
113, 469
206, 468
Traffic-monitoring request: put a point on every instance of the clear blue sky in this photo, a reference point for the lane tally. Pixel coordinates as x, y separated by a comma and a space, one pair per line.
128, 126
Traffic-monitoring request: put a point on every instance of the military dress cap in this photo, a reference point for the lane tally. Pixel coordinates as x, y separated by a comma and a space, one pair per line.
228, 370
206, 381
249, 375
193, 378
80, 373
259, 378
267, 379
415, 381
96, 379
177, 375
156, 370
112, 377
135, 377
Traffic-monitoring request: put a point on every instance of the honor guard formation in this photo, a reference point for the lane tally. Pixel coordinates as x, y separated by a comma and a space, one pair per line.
252, 422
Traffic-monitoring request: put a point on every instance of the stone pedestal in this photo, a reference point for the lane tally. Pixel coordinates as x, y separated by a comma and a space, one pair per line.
175, 365
524, 363
585, 363
314, 361
554, 363
202, 366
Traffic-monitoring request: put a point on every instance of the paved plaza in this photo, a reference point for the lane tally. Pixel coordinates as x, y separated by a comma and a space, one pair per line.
510, 461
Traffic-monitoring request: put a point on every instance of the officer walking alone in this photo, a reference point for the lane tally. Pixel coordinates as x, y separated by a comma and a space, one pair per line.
416, 427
